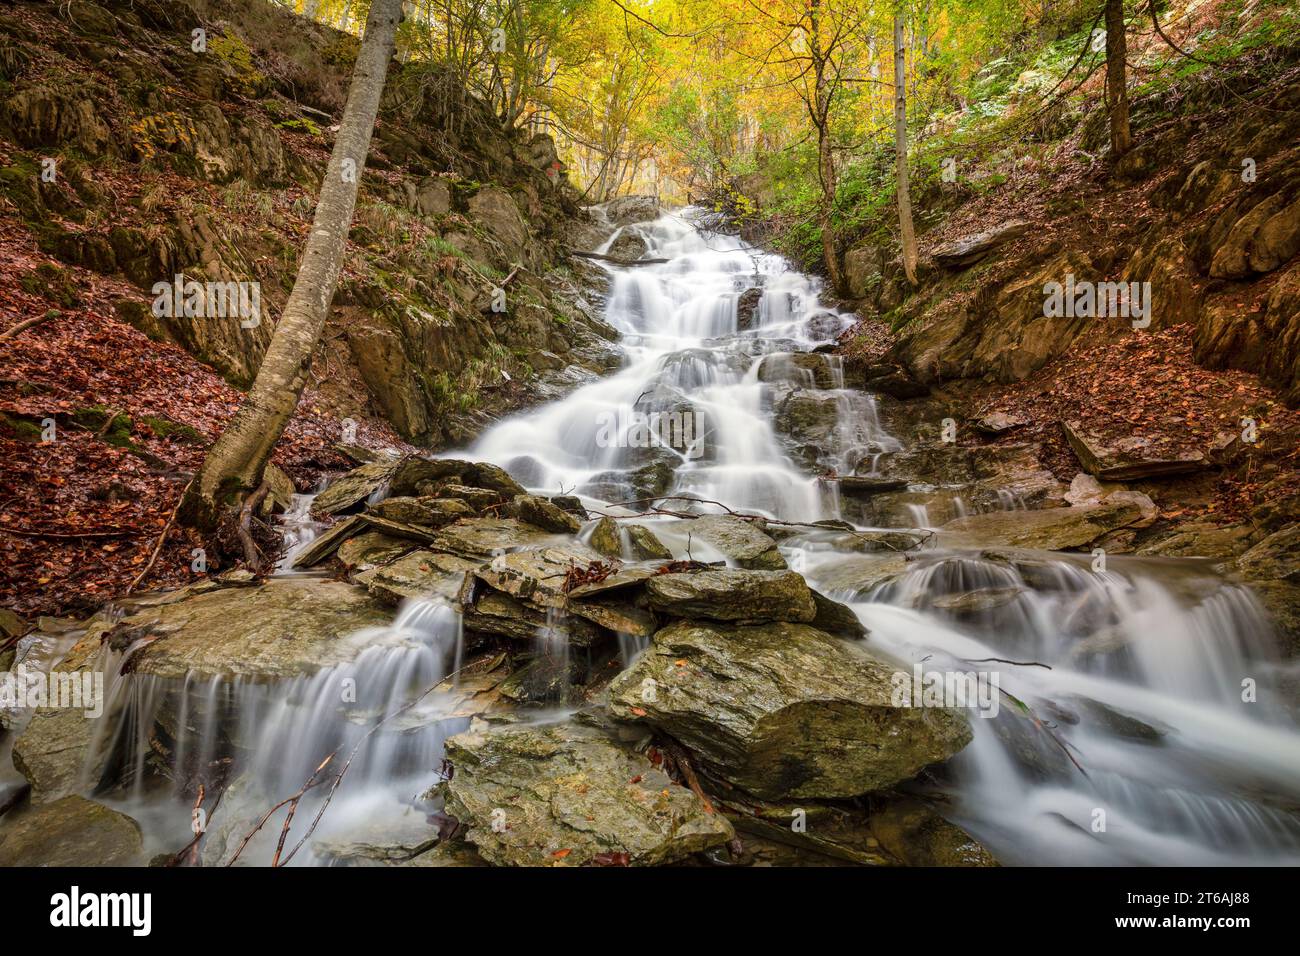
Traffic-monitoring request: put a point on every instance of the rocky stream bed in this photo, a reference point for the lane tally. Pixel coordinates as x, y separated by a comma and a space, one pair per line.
558, 649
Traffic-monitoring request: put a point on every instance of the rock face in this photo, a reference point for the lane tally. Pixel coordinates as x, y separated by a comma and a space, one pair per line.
72, 831
568, 795
729, 594
283, 628
1272, 569
783, 710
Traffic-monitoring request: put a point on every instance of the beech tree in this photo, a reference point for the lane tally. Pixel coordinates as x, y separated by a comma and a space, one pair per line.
905, 228
1121, 136
234, 466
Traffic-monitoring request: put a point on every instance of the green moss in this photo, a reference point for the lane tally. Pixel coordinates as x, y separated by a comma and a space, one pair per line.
49, 281
300, 124
23, 429
166, 428
111, 425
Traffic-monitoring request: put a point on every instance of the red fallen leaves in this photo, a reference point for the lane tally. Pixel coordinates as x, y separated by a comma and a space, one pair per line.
1148, 385
60, 499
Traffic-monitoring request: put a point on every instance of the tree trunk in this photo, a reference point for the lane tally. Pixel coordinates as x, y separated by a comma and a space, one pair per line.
830, 247
1121, 136
900, 150
234, 465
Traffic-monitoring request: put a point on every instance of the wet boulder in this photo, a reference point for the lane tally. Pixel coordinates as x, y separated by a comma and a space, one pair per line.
283, 628
423, 512
733, 594
783, 710
72, 831
569, 795
916, 835
544, 514
738, 540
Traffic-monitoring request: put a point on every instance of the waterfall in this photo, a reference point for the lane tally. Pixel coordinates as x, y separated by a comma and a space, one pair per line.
1140, 717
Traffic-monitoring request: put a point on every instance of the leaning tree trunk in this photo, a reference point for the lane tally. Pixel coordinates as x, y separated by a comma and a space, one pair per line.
235, 464
900, 151
1121, 136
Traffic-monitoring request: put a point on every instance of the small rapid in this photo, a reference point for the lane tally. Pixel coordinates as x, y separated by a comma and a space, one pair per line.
1138, 715
1140, 719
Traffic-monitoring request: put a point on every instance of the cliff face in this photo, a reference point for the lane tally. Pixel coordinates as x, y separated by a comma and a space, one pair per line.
134, 151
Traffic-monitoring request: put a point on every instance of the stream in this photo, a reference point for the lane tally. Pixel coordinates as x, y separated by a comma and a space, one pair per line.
1122, 731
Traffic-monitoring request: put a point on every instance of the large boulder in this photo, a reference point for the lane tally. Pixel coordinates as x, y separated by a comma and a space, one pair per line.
72, 831
784, 710
733, 594
285, 627
568, 795
631, 209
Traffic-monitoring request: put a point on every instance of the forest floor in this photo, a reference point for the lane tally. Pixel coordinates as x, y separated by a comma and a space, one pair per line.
82, 514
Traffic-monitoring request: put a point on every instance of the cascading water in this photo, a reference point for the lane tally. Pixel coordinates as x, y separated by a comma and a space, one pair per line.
1136, 748
1122, 735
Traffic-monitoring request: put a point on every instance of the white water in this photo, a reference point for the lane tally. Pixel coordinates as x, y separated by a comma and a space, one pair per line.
1169, 764
1146, 659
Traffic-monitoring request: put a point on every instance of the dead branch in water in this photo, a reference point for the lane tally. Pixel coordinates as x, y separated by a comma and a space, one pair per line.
311, 782
616, 261
923, 535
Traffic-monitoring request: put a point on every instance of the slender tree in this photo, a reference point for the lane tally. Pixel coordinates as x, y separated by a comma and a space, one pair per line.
235, 464
900, 149
1121, 136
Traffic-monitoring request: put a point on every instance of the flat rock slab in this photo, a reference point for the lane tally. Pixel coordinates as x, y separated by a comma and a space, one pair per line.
784, 710
732, 594
864, 486
419, 574
1130, 458
1051, 529
568, 795
348, 491
283, 628
485, 537
72, 831
968, 250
